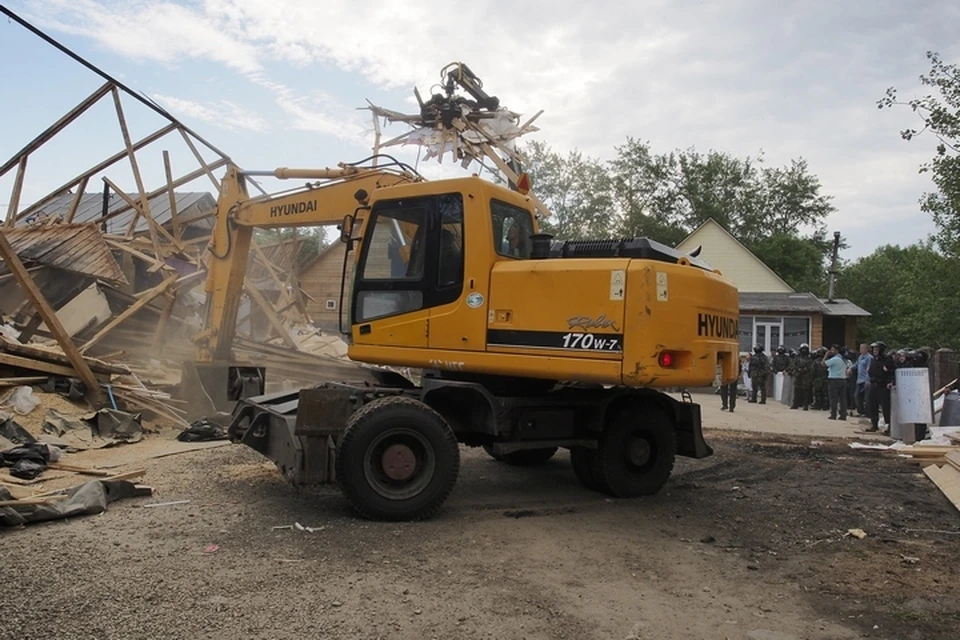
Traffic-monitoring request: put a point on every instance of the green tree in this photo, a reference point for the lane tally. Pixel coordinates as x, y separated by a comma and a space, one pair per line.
799, 261
913, 293
575, 189
667, 196
940, 115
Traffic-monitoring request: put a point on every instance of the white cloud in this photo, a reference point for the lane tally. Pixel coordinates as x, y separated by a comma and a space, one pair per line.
159, 31
223, 113
741, 76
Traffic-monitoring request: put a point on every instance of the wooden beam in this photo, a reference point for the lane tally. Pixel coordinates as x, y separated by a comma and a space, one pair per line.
72, 211
39, 353
268, 310
164, 320
144, 209
17, 190
13, 382
176, 183
158, 290
153, 137
122, 246
200, 160
56, 127
270, 268
151, 223
50, 318
174, 219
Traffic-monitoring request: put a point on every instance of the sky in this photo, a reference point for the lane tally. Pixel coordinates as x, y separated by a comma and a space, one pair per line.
284, 82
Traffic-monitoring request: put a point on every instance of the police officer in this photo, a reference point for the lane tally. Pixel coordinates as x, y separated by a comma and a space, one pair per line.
759, 370
881, 374
781, 360
801, 370
820, 399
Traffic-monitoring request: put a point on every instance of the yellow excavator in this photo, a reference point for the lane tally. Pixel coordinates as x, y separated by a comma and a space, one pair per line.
527, 344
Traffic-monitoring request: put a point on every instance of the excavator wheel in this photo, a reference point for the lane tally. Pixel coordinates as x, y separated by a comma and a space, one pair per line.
585, 462
524, 457
397, 459
637, 452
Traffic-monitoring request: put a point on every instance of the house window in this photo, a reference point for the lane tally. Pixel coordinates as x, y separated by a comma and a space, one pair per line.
773, 331
331, 305
746, 333
796, 331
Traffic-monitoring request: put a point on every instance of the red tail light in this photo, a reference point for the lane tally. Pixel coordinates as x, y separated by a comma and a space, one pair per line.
666, 359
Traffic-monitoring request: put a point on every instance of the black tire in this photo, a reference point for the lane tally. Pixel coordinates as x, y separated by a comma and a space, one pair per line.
637, 452
524, 457
585, 462
421, 436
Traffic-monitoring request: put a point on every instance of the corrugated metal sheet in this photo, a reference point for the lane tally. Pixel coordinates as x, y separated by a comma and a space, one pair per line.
190, 206
73, 247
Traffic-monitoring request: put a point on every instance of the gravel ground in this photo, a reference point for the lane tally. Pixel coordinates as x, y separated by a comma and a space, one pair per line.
747, 544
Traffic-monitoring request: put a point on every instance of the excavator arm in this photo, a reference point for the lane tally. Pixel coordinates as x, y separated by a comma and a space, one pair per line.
334, 194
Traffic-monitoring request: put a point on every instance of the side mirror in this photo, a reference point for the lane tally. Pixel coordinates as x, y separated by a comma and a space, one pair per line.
346, 228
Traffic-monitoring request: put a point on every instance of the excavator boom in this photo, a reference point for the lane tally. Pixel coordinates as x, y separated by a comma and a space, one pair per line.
317, 203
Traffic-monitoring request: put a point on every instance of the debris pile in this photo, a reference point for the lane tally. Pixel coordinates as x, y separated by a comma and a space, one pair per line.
101, 294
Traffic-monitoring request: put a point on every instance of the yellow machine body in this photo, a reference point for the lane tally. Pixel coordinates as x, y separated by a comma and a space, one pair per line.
662, 323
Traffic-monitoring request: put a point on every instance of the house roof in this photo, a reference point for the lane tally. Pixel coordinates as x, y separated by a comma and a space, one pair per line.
798, 303
759, 263
72, 247
192, 207
843, 307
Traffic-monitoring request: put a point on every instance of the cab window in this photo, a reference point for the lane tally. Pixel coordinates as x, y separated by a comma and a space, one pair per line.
450, 264
512, 228
397, 246
412, 257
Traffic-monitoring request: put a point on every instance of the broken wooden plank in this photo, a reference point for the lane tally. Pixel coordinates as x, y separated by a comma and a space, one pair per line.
72, 211
50, 318
174, 217
36, 365
953, 459
87, 471
271, 314
947, 480
151, 223
144, 208
6, 478
31, 502
17, 492
39, 353
158, 290
129, 475
17, 190
196, 154
13, 382
156, 135
58, 126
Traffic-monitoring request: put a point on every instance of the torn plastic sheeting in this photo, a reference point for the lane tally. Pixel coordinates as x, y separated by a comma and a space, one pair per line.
28, 461
12, 431
22, 399
86, 499
202, 430
938, 438
104, 428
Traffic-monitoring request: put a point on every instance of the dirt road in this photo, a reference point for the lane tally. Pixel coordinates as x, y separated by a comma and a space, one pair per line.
748, 544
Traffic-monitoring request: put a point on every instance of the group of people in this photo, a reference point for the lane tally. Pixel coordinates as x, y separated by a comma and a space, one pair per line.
833, 379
